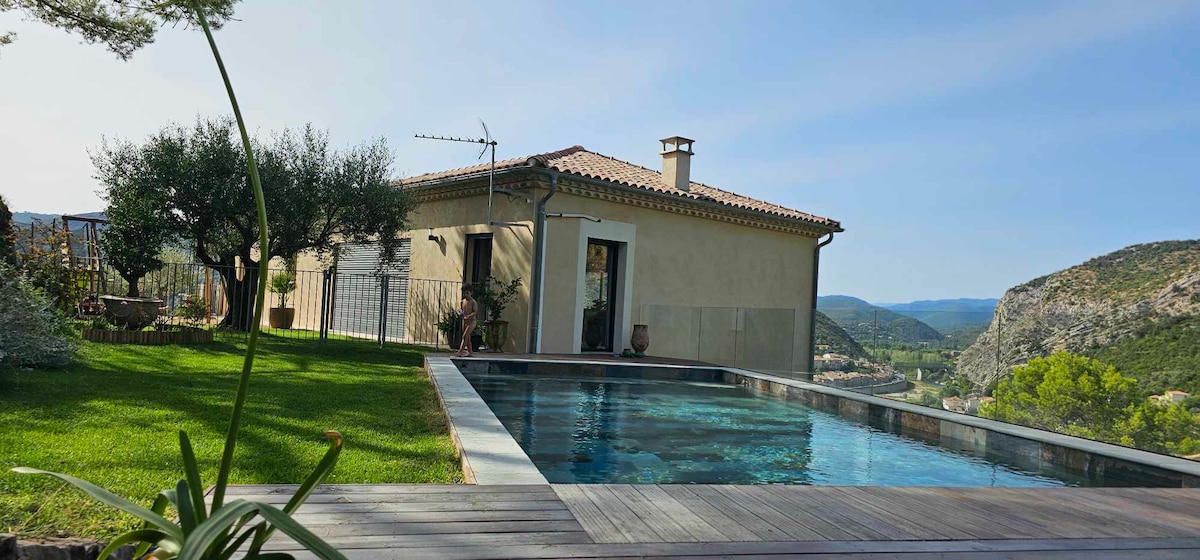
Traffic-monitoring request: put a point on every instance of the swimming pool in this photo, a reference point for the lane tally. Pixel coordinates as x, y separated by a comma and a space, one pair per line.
633, 429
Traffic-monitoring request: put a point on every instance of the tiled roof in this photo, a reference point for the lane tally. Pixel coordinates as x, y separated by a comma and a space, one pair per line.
580, 161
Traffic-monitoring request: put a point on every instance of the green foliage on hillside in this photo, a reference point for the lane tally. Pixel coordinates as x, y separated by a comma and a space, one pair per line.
1084, 397
1161, 356
858, 318
1128, 275
829, 333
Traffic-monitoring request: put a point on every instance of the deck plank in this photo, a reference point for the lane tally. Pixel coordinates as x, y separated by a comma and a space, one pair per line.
665, 526
700, 529
623, 518
828, 515
597, 525
731, 527
760, 527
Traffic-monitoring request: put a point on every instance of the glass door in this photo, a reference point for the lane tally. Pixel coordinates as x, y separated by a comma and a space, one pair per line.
599, 296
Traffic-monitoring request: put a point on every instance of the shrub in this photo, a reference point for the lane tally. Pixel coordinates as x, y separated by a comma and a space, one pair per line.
282, 284
193, 310
32, 333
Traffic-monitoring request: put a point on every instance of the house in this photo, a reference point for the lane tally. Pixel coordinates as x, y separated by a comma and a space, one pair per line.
1170, 397
602, 244
834, 362
954, 404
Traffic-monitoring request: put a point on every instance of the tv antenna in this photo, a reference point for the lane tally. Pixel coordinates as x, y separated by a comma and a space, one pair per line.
489, 145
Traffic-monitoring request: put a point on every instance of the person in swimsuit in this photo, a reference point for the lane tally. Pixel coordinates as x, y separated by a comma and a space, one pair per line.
468, 310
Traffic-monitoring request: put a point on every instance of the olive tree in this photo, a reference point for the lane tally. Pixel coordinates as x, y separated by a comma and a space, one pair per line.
317, 196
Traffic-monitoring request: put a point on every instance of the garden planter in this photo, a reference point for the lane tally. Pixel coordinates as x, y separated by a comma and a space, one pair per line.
594, 322
282, 317
495, 334
131, 313
184, 336
640, 340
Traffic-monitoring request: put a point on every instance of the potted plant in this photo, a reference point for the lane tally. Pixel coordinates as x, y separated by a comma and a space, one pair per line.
595, 319
282, 284
494, 296
450, 325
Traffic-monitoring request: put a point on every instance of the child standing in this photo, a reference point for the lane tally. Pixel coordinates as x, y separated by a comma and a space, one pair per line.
467, 310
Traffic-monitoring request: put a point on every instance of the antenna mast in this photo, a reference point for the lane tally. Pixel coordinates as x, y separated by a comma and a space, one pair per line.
489, 145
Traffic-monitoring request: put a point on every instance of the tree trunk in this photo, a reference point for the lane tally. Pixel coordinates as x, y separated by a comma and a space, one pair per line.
133, 287
240, 295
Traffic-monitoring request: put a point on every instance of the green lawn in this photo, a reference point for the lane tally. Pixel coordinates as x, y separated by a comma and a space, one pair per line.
113, 417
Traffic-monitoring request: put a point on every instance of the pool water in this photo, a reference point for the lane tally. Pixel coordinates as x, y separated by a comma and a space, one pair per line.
580, 429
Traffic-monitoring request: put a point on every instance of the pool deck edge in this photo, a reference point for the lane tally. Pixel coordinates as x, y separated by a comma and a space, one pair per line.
488, 452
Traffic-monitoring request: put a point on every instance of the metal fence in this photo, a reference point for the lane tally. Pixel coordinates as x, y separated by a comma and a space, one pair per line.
322, 303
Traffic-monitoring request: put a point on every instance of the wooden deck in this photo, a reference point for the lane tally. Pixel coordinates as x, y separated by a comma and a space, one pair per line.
810, 522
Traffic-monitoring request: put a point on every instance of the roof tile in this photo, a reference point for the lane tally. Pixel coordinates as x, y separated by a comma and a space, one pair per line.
580, 161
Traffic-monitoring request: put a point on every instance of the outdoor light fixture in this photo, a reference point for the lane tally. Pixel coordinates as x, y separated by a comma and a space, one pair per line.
433, 237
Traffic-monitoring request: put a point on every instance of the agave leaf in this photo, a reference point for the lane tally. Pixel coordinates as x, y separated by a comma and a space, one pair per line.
306, 489
232, 548
294, 529
187, 512
214, 530
108, 498
192, 471
275, 556
159, 507
145, 536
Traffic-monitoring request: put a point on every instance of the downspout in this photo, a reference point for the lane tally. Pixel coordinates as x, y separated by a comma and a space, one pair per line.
539, 257
812, 317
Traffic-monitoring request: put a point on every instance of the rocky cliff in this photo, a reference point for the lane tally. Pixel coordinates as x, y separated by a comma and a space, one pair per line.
1088, 307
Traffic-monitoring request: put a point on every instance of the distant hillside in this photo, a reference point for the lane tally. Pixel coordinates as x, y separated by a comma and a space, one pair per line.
858, 318
839, 342
949, 315
1137, 308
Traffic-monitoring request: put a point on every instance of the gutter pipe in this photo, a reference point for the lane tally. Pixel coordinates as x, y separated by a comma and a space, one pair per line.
539, 257
812, 317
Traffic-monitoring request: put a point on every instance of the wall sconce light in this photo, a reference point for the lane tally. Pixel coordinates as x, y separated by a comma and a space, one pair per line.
433, 237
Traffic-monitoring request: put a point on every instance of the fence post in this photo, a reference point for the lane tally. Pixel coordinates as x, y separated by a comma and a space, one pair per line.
383, 308
323, 327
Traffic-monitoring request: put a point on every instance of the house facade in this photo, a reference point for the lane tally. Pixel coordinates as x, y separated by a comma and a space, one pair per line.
602, 245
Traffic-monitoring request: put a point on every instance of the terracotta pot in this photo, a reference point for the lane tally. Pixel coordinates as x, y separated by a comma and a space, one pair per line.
640, 340
131, 313
495, 334
282, 317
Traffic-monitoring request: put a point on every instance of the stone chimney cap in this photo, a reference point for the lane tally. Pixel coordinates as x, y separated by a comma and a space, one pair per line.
676, 144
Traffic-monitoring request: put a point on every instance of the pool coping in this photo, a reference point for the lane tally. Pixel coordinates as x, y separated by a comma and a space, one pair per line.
488, 453
1188, 470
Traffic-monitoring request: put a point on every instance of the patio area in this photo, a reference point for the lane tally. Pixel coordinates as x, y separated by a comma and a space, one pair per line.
605, 521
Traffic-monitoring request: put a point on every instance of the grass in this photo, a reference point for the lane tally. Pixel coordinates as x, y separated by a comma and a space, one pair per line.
112, 418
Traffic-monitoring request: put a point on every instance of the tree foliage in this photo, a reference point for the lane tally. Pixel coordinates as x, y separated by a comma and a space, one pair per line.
8, 236
1084, 397
318, 195
123, 26
139, 227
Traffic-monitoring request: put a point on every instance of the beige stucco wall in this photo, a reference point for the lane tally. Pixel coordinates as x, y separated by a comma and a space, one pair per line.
437, 267
711, 290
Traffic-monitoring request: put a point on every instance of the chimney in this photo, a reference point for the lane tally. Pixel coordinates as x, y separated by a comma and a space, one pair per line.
677, 162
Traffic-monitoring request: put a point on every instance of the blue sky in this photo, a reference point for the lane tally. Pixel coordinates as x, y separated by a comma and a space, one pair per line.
967, 147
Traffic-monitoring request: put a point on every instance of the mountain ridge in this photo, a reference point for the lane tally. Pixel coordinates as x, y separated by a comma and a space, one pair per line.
1096, 308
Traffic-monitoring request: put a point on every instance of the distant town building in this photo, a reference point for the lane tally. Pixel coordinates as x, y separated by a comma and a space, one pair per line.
1170, 397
